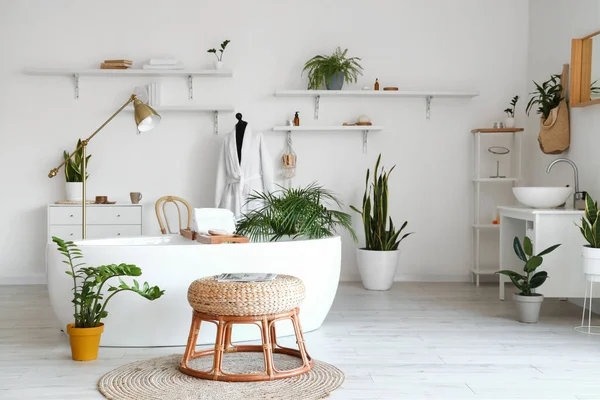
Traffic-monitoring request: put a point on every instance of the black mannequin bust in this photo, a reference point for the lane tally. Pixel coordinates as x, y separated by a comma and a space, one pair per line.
240, 129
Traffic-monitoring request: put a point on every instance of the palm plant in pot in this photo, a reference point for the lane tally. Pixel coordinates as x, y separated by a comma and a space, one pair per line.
528, 301
294, 213
74, 173
590, 229
378, 260
332, 70
89, 304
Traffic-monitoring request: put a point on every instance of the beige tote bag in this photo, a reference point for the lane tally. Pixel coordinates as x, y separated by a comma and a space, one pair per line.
555, 133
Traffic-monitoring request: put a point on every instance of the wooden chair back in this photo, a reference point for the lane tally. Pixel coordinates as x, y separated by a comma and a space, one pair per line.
160, 207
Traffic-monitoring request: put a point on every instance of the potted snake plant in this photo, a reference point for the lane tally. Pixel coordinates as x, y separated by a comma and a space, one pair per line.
89, 304
528, 301
590, 229
74, 173
378, 260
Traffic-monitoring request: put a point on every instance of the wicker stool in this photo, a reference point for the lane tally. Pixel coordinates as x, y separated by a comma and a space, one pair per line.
261, 303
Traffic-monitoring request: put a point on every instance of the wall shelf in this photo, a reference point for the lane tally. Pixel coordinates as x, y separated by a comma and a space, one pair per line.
78, 73
495, 180
497, 130
486, 226
365, 129
427, 95
194, 109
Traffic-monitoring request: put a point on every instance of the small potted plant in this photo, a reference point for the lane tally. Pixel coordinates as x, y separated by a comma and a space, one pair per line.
74, 173
378, 260
509, 121
219, 54
590, 229
332, 70
528, 301
88, 298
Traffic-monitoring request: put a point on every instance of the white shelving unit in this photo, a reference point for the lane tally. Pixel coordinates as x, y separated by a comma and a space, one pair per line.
480, 181
77, 73
193, 110
427, 95
365, 129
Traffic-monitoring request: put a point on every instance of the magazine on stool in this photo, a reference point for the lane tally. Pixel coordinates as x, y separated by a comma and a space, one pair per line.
242, 277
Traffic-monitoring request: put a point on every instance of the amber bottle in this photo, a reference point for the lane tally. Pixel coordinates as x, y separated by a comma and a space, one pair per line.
376, 84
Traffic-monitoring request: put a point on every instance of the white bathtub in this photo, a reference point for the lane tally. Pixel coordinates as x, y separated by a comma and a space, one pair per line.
172, 263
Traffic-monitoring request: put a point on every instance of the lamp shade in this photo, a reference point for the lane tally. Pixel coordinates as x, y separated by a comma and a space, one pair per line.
145, 116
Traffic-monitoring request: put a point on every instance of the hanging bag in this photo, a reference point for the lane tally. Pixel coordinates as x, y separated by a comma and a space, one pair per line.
555, 134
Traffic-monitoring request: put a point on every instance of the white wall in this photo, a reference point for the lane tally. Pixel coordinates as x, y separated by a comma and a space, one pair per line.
437, 44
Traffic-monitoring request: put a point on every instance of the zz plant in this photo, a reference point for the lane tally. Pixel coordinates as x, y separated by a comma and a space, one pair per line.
510, 112
219, 53
531, 279
590, 226
380, 232
74, 165
88, 301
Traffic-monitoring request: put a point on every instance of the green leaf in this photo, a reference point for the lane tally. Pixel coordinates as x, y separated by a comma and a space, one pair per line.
549, 250
533, 263
519, 250
527, 246
538, 279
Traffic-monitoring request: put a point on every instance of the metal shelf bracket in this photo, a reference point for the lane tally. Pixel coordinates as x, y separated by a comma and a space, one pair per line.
216, 122
76, 79
317, 101
190, 87
428, 107
365, 141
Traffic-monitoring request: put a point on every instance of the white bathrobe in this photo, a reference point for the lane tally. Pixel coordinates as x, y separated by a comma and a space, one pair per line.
234, 181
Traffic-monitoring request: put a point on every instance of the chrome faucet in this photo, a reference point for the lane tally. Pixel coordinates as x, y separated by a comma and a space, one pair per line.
578, 196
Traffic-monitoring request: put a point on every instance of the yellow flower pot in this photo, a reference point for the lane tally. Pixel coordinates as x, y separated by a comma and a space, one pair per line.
85, 342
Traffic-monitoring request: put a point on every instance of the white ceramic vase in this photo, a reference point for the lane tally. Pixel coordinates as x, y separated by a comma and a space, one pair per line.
218, 64
591, 263
509, 122
377, 268
74, 191
528, 308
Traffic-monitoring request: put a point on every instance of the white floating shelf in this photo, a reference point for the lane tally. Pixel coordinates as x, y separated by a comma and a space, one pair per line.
428, 95
78, 73
365, 129
193, 109
486, 226
496, 180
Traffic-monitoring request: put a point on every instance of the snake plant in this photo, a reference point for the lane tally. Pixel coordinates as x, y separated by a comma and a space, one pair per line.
74, 165
590, 226
88, 299
378, 234
531, 280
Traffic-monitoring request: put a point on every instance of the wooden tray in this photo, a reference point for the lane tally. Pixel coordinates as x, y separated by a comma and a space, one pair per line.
213, 239
188, 234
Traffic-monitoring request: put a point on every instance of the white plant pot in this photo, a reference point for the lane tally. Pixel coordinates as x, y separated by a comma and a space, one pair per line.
509, 122
218, 64
591, 263
528, 308
377, 268
74, 191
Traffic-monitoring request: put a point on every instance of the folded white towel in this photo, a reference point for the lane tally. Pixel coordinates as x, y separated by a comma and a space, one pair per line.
172, 66
163, 61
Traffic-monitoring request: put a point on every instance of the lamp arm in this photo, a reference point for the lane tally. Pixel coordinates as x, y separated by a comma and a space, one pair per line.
84, 143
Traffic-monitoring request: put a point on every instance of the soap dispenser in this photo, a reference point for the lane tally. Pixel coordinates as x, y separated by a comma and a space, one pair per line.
297, 119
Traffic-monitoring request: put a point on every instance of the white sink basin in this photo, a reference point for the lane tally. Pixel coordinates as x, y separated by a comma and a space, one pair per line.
542, 197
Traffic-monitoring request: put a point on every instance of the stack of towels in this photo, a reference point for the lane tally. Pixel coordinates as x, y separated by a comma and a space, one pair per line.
116, 64
163, 63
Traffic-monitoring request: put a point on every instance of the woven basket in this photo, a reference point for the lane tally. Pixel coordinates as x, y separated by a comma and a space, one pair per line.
284, 293
555, 133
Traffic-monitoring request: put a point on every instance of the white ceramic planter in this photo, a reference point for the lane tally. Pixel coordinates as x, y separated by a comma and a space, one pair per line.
377, 268
73, 190
509, 122
218, 64
528, 308
591, 263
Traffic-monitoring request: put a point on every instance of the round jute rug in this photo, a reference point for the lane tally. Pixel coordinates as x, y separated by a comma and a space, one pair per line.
160, 379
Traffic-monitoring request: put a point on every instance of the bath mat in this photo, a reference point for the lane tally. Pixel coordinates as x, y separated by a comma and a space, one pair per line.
159, 379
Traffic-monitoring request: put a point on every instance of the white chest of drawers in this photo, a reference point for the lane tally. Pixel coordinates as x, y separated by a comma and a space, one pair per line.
103, 221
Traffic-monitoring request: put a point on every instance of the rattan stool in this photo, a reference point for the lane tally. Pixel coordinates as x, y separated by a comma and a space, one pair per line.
261, 303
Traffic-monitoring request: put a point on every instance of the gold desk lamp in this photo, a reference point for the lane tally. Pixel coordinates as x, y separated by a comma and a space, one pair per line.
145, 119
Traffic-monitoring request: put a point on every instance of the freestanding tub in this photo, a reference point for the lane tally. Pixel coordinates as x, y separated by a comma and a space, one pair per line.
172, 263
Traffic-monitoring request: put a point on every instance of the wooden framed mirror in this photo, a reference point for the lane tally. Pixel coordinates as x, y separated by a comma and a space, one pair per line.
585, 71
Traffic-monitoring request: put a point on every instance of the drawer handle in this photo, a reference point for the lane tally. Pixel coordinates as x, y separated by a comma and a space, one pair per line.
71, 215
119, 234
70, 234
118, 215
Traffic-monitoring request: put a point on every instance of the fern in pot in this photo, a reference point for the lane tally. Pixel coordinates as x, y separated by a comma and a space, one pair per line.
590, 229
332, 70
378, 260
74, 173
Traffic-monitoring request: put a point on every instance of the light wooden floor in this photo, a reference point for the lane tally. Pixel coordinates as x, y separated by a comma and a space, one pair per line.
418, 341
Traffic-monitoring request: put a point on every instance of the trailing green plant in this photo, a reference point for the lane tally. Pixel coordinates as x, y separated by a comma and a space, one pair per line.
546, 96
510, 112
88, 298
74, 165
593, 88
322, 68
531, 279
301, 212
219, 53
378, 234
590, 226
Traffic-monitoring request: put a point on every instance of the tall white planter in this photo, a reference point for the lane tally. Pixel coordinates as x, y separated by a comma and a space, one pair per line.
591, 263
73, 190
377, 268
